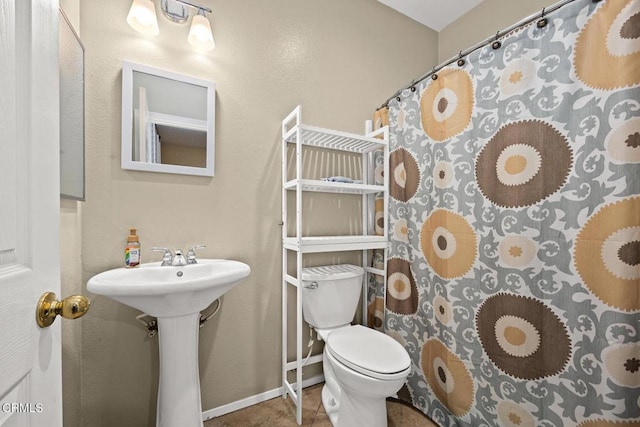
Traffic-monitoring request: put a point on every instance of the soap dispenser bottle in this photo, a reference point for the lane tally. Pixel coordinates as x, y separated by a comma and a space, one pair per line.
132, 250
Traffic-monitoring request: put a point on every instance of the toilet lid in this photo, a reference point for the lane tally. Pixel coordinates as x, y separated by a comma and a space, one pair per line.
369, 352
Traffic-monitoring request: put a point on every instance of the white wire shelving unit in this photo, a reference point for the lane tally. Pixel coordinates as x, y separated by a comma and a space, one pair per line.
299, 135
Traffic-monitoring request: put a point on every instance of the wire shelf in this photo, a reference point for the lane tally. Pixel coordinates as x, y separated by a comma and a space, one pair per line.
335, 140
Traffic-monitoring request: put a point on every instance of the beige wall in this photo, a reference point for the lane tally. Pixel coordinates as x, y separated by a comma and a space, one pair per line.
71, 281
338, 59
483, 21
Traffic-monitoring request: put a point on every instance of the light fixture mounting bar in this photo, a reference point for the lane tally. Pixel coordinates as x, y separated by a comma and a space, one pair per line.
206, 9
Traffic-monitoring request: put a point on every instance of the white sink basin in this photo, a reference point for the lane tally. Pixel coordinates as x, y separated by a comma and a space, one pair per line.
170, 291
175, 295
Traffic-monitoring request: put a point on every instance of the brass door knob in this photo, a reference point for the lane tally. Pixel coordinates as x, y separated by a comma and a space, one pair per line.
49, 308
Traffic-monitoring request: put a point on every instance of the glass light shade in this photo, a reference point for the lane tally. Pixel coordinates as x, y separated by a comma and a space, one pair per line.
142, 17
200, 35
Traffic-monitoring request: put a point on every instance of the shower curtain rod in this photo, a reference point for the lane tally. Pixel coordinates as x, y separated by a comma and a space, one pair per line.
492, 39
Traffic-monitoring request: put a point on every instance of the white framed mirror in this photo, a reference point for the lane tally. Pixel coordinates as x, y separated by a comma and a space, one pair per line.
168, 121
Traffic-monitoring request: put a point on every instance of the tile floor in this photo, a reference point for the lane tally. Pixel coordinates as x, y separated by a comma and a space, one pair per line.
279, 412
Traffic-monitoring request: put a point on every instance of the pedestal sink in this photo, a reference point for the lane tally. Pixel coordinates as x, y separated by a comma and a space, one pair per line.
175, 295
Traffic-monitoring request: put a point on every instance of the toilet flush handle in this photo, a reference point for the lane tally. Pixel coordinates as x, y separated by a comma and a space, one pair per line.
312, 285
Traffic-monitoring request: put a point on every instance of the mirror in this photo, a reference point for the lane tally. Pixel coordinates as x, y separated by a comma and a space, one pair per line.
168, 121
71, 57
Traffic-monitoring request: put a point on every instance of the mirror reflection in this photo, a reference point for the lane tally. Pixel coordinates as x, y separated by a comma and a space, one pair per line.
71, 55
167, 122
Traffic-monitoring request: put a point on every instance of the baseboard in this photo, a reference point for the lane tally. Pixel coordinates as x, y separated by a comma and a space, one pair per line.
254, 400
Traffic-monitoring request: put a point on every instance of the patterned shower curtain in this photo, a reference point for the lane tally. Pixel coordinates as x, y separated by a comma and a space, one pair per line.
514, 264
375, 294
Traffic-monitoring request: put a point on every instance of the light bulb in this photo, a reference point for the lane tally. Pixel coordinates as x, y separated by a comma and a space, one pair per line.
200, 35
142, 17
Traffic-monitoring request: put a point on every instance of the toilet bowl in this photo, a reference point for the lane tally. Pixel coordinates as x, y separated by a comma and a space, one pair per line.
362, 367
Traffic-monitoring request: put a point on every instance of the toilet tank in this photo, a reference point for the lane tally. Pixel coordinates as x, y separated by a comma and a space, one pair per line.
330, 294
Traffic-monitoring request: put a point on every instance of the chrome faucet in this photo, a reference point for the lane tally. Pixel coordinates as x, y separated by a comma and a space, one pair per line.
179, 259
191, 255
167, 256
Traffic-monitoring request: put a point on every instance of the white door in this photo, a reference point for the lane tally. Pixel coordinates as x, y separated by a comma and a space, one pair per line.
30, 371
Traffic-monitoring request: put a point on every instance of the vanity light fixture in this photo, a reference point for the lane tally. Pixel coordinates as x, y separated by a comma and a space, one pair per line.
200, 35
142, 17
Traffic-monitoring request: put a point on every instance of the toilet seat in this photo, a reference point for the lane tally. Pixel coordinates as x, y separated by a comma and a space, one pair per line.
369, 352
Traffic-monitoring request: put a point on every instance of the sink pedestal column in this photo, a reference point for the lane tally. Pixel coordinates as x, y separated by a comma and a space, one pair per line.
179, 402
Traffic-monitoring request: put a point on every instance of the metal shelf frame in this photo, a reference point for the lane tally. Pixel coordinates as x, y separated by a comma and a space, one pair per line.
333, 187
300, 135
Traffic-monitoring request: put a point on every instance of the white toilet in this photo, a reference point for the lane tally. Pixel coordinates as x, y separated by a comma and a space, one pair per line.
362, 367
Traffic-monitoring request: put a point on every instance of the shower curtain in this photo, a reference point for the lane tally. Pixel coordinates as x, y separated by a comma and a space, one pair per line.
375, 293
514, 263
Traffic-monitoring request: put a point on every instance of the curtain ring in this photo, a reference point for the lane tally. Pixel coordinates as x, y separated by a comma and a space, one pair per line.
413, 86
434, 76
461, 61
542, 22
497, 44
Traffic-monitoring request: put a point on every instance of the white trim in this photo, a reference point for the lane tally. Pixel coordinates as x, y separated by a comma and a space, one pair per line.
177, 121
254, 400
